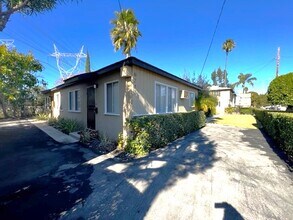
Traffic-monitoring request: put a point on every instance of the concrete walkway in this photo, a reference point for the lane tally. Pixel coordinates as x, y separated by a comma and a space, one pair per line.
54, 133
219, 172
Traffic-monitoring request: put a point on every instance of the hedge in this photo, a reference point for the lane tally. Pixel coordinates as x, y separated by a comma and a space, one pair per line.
241, 110
156, 131
278, 126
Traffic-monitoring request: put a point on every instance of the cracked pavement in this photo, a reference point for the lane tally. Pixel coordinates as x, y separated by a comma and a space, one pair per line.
218, 172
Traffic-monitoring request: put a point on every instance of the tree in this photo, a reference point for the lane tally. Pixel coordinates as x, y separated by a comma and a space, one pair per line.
259, 100
280, 91
243, 79
218, 78
227, 46
207, 103
202, 81
87, 63
28, 7
199, 80
125, 32
16, 78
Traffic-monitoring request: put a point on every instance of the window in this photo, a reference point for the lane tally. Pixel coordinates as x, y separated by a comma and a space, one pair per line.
47, 102
166, 98
191, 99
74, 101
57, 100
112, 98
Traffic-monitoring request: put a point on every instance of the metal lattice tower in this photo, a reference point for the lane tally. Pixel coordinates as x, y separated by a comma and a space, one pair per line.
8, 43
64, 72
278, 61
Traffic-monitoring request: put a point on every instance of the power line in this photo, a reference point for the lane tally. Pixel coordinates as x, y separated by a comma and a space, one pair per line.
43, 32
272, 60
119, 5
212, 40
257, 66
19, 38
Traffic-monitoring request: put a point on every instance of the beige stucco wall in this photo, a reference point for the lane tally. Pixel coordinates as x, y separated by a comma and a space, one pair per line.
110, 125
64, 109
136, 97
143, 100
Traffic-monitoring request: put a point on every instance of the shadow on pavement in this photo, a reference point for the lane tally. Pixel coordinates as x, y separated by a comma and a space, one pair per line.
32, 184
259, 139
129, 192
230, 213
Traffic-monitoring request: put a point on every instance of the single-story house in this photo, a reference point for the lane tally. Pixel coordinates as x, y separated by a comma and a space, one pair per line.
106, 98
226, 97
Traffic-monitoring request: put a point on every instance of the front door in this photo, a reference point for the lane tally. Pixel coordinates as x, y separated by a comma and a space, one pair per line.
91, 108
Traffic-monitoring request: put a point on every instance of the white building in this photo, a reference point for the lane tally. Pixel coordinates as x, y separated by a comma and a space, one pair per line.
243, 100
226, 97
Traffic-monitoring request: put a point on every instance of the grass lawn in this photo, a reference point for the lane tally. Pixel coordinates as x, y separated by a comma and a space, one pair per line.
241, 121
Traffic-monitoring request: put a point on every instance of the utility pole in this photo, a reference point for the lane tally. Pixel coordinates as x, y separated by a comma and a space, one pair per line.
278, 61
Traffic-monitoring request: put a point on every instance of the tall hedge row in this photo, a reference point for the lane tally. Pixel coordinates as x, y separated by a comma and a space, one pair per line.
155, 131
279, 126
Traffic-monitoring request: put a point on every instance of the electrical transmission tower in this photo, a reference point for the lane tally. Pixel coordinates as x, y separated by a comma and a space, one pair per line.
66, 72
8, 43
278, 62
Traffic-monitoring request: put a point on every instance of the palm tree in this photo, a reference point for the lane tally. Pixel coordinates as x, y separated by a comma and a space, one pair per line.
243, 79
125, 32
228, 46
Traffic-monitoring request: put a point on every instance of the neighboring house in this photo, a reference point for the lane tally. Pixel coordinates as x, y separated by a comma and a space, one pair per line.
243, 100
106, 98
226, 97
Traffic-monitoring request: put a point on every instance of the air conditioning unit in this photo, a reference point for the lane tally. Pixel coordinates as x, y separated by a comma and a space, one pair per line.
184, 94
126, 71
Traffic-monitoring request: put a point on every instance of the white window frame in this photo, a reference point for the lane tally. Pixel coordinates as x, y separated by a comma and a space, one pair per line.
57, 100
191, 103
74, 101
105, 98
47, 102
167, 93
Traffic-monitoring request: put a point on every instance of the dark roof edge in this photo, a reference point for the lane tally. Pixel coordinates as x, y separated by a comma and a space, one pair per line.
129, 62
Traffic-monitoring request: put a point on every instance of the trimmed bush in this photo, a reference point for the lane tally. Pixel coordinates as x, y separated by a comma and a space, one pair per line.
278, 126
156, 131
242, 111
245, 111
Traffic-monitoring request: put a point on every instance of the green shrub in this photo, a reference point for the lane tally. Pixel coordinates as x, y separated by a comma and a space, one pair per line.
242, 111
278, 126
65, 125
206, 103
245, 111
139, 145
156, 131
230, 110
42, 116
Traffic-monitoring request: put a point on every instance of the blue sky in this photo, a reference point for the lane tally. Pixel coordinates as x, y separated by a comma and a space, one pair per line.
175, 35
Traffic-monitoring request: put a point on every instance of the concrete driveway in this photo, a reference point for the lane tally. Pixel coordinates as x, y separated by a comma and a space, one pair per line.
219, 172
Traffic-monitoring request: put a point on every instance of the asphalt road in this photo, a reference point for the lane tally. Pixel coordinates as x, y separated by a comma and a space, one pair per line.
218, 172
39, 178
